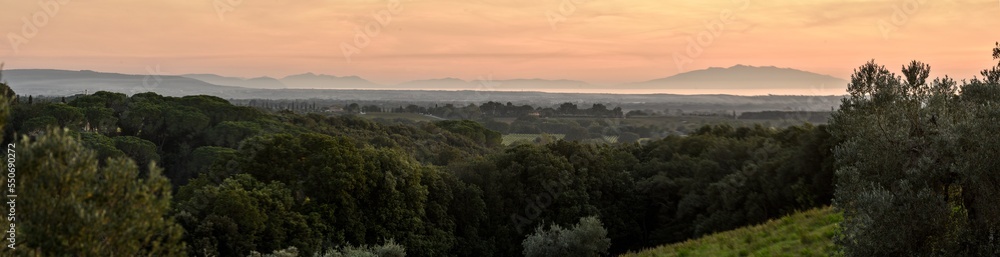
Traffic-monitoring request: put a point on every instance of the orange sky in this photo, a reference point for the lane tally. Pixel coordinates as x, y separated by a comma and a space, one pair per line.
598, 41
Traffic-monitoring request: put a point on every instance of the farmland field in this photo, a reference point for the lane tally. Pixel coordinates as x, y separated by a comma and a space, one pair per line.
511, 138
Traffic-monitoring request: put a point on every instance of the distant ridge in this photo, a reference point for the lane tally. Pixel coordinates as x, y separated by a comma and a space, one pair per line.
65, 82
765, 79
321, 81
738, 79
488, 84
259, 82
41, 82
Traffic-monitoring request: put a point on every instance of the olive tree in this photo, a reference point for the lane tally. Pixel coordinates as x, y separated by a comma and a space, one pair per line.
585, 239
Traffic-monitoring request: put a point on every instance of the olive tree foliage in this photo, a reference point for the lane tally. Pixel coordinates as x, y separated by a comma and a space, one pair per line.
978, 162
585, 239
78, 207
389, 249
911, 177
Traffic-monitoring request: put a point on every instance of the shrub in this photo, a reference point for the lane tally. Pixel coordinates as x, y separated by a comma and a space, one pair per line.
586, 238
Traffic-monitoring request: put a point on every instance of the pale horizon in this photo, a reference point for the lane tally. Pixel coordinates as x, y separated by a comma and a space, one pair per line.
597, 42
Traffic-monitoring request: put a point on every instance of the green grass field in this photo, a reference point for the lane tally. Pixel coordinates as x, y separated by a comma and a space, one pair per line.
808, 233
511, 138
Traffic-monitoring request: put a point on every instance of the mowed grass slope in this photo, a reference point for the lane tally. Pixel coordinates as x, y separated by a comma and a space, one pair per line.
808, 233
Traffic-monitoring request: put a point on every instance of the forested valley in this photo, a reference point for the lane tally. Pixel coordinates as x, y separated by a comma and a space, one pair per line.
910, 162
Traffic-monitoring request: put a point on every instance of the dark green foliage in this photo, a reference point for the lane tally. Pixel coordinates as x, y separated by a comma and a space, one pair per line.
721, 178
576, 133
65, 115
628, 137
389, 249
81, 208
253, 181
242, 214
588, 238
38, 124
231, 133
917, 169
330, 183
472, 130
140, 150
102, 145
101, 120
522, 187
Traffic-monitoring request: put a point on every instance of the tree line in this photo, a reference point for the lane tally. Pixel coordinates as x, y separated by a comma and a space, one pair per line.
910, 163
233, 180
917, 171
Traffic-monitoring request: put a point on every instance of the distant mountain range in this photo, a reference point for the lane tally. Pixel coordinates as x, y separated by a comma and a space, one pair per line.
64, 82
260, 82
739, 79
762, 80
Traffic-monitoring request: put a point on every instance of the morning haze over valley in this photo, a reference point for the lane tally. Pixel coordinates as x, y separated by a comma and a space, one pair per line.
500, 128
737, 80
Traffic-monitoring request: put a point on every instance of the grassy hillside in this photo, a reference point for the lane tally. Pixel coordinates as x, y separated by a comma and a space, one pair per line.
806, 233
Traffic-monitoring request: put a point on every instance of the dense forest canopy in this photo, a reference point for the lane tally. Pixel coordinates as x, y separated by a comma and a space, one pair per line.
249, 180
197, 175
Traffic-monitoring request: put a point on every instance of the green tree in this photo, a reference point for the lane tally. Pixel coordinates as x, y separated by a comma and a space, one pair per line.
242, 214
333, 181
5, 91
523, 186
472, 130
66, 115
628, 137
576, 133
140, 150
585, 239
102, 145
897, 178
101, 120
38, 124
231, 133
80, 208
389, 249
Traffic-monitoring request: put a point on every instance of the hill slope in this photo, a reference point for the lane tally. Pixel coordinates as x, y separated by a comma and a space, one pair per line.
65, 82
757, 80
259, 82
808, 233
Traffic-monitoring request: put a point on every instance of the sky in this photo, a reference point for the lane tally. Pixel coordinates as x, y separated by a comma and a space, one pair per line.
597, 41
